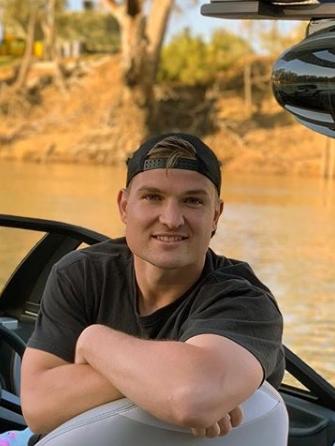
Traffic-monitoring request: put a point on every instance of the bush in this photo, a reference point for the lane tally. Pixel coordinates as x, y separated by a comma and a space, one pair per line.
183, 59
97, 31
189, 60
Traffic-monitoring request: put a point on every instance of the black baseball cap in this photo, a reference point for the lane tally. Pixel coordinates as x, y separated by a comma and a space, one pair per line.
206, 163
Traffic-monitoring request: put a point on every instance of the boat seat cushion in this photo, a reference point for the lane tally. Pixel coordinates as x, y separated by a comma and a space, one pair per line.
122, 423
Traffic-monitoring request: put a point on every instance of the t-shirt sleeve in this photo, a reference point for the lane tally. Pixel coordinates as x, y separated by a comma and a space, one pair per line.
245, 314
62, 315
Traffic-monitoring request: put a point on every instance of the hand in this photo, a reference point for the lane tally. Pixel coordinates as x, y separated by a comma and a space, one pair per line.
222, 426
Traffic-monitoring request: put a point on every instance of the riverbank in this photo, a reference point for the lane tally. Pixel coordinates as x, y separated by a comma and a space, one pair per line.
75, 127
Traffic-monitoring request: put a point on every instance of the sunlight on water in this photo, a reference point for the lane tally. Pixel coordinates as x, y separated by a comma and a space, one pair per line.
284, 227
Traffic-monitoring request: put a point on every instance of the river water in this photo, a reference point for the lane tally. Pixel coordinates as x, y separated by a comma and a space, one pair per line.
284, 227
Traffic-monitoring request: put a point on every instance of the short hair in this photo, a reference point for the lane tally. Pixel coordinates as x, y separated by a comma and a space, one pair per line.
172, 148
177, 150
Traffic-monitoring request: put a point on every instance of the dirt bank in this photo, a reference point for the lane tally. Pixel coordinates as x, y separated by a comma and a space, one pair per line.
76, 127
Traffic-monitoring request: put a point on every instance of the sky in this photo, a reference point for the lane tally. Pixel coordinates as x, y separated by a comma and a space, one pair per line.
191, 17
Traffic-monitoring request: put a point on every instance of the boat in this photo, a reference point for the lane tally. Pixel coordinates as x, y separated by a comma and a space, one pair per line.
311, 411
310, 404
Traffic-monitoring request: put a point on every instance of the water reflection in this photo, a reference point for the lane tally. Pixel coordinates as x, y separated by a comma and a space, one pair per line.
284, 227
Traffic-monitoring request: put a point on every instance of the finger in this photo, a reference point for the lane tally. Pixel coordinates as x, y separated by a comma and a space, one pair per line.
236, 416
225, 425
213, 431
198, 432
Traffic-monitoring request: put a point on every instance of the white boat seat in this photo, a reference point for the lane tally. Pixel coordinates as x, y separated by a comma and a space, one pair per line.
122, 423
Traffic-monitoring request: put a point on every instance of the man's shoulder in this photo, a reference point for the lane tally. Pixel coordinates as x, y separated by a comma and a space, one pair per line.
219, 264
112, 247
222, 268
111, 250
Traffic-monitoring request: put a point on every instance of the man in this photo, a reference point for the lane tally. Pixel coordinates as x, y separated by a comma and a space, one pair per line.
155, 316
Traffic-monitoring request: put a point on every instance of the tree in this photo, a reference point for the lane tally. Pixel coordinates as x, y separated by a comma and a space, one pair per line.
142, 26
196, 62
28, 20
270, 37
189, 54
17, 14
251, 29
27, 57
52, 8
227, 50
274, 39
97, 30
48, 23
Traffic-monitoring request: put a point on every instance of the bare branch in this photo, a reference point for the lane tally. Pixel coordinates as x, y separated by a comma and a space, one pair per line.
116, 9
28, 53
133, 7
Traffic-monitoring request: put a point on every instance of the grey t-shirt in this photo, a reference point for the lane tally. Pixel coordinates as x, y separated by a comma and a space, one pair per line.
97, 285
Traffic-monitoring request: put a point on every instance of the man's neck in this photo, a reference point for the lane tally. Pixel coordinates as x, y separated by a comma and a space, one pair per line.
160, 287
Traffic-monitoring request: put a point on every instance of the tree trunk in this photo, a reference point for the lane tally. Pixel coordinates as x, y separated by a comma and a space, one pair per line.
50, 50
328, 160
141, 42
28, 53
156, 30
130, 118
247, 89
49, 30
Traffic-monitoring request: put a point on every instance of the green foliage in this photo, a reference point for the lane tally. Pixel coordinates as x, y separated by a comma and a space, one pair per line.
183, 60
189, 60
15, 14
98, 31
5, 60
226, 50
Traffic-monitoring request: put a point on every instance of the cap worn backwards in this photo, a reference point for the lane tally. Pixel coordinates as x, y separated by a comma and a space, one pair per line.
205, 163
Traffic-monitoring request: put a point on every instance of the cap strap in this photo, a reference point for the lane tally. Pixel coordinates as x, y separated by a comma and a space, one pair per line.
180, 163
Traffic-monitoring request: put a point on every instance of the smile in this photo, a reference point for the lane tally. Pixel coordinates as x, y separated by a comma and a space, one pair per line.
169, 238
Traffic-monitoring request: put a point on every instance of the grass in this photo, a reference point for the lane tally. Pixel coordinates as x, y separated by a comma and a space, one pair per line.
6, 61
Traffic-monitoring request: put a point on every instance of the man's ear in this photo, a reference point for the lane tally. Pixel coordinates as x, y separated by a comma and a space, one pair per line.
218, 212
122, 201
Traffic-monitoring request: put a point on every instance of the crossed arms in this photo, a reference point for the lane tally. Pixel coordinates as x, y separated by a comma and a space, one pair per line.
194, 384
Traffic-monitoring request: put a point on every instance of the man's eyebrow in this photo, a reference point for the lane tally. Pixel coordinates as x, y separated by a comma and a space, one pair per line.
149, 189
153, 189
196, 192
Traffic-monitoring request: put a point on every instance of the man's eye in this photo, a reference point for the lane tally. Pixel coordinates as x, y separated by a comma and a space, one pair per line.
194, 201
152, 197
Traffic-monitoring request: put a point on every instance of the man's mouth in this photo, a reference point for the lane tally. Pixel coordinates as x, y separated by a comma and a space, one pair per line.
169, 238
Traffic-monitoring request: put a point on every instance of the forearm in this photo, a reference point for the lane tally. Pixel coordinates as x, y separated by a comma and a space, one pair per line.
171, 380
60, 393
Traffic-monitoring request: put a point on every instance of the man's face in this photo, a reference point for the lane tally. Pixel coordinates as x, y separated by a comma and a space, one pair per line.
169, 217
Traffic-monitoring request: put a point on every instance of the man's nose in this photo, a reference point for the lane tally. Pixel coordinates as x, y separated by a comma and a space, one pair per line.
171, 215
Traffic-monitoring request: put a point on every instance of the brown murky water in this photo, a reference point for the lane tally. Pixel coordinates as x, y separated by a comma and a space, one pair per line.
284, 227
